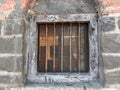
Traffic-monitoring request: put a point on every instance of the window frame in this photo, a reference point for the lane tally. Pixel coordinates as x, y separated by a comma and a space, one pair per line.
35, 77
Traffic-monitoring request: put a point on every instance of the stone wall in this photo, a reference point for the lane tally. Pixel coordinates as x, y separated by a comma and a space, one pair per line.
110, 40
11, 43
64, 7
14, 25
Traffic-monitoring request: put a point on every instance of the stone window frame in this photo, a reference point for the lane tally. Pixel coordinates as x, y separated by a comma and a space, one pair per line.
36, 77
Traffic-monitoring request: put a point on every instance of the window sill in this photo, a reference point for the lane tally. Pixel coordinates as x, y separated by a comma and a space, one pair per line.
68, 86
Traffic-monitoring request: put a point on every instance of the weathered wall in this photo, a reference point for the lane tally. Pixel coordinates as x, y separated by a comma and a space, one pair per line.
64, 7
14, 24
108, 26
11, 42
110, 46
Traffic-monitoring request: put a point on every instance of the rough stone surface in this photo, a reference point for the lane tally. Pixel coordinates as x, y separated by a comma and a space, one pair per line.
112, 69
6, 45
11, 79
108, 24
0, 26
11, 45
1, 88
112, 37
119, 22
50, 88
18, 44
112, 62
64, 88
111, 43
110, 6
64, 7
111, 80
11, 8
1, 1
13, 26
11, 64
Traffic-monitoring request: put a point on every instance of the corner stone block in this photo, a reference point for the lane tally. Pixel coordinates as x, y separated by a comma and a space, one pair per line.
11, 64
108, 24
14, 26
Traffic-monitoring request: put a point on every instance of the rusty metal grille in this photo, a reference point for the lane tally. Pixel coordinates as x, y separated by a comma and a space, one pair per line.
63, 47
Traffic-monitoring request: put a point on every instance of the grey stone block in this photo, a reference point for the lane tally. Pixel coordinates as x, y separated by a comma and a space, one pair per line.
119, 22
111, 69
111, 43
2, 88
108, 24
11, 64
0, 25
113, 37
64, 7
84, 6
11, 79
14, 26
11, 45
111, 80
18, 43
1, 1
111, 62
6, 45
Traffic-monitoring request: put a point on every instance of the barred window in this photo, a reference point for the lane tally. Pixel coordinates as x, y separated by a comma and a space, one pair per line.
63, 47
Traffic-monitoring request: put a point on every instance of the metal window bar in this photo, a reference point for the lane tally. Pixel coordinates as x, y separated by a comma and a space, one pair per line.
62, 50
54, 49
70, 47
78, 47
46, 63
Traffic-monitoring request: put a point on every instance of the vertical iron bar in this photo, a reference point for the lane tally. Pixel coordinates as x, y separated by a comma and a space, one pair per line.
38, 52
62, 50
79, 47
70, 47
54, 49
46, 47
